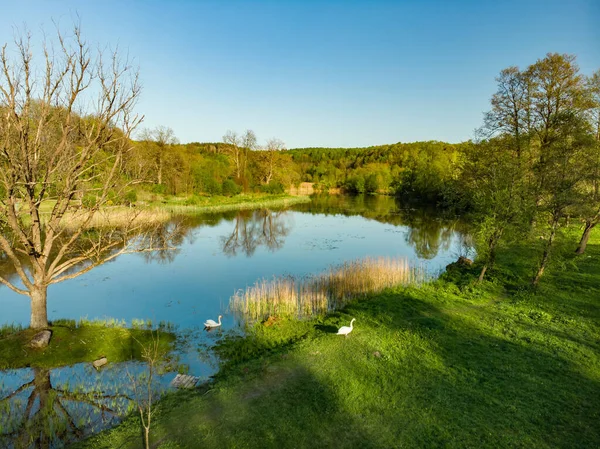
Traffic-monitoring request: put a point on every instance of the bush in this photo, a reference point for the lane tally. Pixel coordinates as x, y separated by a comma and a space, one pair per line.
211, 186
356, 184
372, 183
130, 197
230, 188
159, 188
273, 187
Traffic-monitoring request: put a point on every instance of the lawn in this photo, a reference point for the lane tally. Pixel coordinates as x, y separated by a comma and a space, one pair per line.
448, 364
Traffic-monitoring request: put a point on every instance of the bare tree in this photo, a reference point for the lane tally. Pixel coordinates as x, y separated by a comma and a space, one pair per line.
65, 123
160, 140
238, 148
249, 143
234, 142
268, 159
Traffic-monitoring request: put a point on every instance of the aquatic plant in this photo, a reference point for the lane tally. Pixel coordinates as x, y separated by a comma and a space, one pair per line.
317, 294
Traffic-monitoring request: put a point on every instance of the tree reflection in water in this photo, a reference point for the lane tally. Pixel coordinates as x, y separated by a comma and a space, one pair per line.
256, 228
43, 408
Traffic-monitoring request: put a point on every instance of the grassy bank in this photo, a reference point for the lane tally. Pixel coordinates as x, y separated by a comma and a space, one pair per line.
447, 364
210, 204
74, 342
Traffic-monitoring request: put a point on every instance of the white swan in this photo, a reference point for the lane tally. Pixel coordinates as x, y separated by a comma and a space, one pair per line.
345, 330
211, 323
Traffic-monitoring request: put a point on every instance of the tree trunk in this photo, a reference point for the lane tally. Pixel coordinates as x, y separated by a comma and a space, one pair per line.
492, 257
585, 237
482, 274
546, 254
39, 311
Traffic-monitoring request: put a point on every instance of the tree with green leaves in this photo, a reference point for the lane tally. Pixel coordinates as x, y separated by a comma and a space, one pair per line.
590, 210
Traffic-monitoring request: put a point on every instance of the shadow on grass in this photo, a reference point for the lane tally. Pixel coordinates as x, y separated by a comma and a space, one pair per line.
326, 328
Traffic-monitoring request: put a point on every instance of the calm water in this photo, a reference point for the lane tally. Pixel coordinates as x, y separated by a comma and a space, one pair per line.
217, 255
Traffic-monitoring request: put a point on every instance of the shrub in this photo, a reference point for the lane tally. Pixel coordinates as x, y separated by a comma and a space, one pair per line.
356, 184
273, 187
130, 197
230, 188
211, 186
372, 183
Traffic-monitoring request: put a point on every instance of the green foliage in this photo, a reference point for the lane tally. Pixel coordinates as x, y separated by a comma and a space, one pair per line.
372, 183
160, 189
130, 197
211, 186
230, 188
274, 187
356, 184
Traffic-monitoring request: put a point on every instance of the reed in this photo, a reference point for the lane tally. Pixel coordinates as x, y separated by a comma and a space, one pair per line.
117, 216
317, 294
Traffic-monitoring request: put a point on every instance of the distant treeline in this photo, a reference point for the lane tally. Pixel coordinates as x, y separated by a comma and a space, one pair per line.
420, 170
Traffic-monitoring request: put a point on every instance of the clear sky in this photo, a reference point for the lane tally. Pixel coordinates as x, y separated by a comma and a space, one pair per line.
335, 73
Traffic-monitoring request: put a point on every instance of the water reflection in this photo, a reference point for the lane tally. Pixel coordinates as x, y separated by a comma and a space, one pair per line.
252, 229
43, 408
427, 230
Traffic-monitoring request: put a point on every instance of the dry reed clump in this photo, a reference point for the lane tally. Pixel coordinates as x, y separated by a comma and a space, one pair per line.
317, 294
115, 217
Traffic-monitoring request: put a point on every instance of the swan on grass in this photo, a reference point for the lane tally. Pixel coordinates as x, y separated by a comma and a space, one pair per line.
208, 324
345, 330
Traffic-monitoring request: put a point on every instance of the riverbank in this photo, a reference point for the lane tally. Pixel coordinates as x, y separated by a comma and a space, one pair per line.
446, 364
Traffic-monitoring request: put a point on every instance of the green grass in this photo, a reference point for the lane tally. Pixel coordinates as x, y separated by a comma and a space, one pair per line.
75, 343
210, 204
448, 364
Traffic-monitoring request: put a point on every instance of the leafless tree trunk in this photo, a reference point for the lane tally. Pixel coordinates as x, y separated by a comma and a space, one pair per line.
65, 121
268, 159
234, 141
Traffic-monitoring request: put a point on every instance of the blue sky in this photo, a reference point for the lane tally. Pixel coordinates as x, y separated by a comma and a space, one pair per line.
335, 73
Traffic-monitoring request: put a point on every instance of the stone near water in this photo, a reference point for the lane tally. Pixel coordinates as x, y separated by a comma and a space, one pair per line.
41, 339
100, 362
184, 381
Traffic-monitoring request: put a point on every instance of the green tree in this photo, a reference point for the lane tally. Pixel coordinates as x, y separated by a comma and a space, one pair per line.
590, 210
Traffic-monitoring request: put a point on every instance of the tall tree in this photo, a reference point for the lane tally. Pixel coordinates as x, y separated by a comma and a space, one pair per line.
591, 207
493, 175
496, 169
65, 124
559, 102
